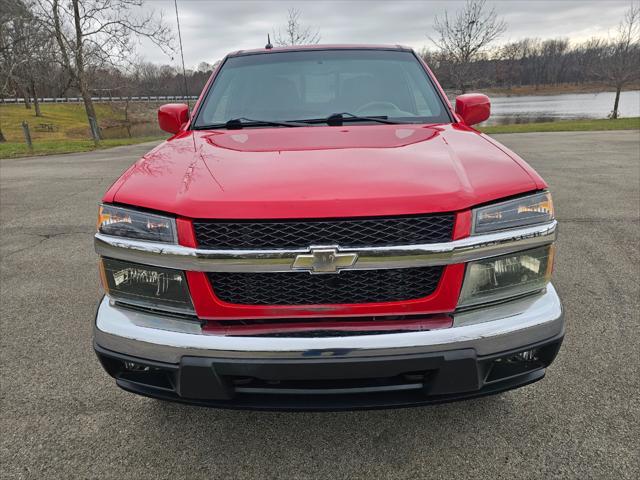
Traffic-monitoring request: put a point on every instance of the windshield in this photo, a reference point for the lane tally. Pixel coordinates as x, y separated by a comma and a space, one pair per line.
313, 85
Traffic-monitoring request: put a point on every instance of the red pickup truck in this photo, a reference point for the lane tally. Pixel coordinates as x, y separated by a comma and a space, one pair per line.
324, 231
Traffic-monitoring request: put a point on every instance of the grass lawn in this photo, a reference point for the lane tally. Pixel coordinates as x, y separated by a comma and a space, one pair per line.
567, 126
70, 129
69, 120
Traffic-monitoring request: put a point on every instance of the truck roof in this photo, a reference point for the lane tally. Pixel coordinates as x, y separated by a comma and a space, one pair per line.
294, 48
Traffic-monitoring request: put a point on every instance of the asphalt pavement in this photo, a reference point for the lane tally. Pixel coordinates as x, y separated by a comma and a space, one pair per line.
61, 416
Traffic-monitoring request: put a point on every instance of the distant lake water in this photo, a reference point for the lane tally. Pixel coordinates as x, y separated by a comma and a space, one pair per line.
504, 110
549, 108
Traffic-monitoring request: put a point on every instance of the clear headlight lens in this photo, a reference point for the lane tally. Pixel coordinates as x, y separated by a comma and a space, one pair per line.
146, 286
507, 276
519, 212
122, 222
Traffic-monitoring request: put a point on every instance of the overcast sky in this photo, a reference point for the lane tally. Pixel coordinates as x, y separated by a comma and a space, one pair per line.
210, 29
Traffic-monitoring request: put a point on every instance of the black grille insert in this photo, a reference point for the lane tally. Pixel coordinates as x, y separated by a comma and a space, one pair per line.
352, 232
302, 288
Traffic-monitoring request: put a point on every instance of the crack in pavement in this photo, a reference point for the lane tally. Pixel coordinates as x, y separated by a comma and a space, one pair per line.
43, 238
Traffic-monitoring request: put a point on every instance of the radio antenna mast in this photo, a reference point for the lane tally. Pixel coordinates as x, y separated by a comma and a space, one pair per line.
184, 71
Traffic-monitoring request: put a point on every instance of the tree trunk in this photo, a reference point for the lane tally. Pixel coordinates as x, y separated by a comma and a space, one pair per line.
616, 102
89, 108
2, 139
126, 117
36, 102
26, 98
81, 76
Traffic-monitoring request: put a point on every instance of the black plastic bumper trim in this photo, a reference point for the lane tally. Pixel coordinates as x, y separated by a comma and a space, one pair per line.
378, 401
448, 376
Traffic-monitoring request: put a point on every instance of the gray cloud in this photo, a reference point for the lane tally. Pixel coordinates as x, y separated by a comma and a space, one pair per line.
210, 29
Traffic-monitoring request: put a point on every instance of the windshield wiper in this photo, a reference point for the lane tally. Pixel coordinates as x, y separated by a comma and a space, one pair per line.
241, 122
340, 117
337, 119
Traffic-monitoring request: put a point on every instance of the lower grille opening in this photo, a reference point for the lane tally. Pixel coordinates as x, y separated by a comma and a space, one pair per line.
512, 366
409, 381
145, 374
158, 379
520, 363
349, 286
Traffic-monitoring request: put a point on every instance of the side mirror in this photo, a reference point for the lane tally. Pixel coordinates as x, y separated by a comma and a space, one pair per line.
172, 116
473, 108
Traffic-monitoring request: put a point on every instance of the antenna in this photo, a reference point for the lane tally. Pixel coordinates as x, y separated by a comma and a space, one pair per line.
184, 71
268, 46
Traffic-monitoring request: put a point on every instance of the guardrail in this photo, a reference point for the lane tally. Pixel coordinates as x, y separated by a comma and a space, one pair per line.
140, 98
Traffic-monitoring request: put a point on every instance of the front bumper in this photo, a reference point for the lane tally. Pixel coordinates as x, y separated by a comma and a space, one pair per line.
174, 359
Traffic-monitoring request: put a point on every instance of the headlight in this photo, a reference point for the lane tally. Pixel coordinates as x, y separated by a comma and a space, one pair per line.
507, 276
122, 222
146, 286
519, 212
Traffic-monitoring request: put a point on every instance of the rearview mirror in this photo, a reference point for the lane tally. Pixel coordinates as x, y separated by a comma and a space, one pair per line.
473, 108
172, 116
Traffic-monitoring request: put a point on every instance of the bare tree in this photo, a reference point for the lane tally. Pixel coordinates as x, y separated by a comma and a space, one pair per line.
33, 51
295, 33
5, 63
92, 33
14, 53
621, 61
10, 62
508, 68
464, 38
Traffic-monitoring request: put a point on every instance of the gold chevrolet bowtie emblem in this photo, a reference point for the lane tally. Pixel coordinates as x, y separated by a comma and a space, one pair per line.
324, 260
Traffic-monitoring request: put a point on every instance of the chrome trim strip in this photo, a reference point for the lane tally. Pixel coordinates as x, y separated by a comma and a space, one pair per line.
370, 258
488, 330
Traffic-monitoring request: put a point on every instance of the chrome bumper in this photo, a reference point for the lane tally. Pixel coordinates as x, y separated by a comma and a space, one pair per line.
487, 330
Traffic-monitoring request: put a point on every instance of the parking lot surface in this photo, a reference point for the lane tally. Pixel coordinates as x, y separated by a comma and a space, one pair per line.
63, 417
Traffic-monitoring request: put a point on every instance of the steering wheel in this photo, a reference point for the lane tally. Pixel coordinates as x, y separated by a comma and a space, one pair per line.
381, 108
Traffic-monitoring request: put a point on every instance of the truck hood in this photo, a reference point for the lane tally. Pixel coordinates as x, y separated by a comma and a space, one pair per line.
323, 172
